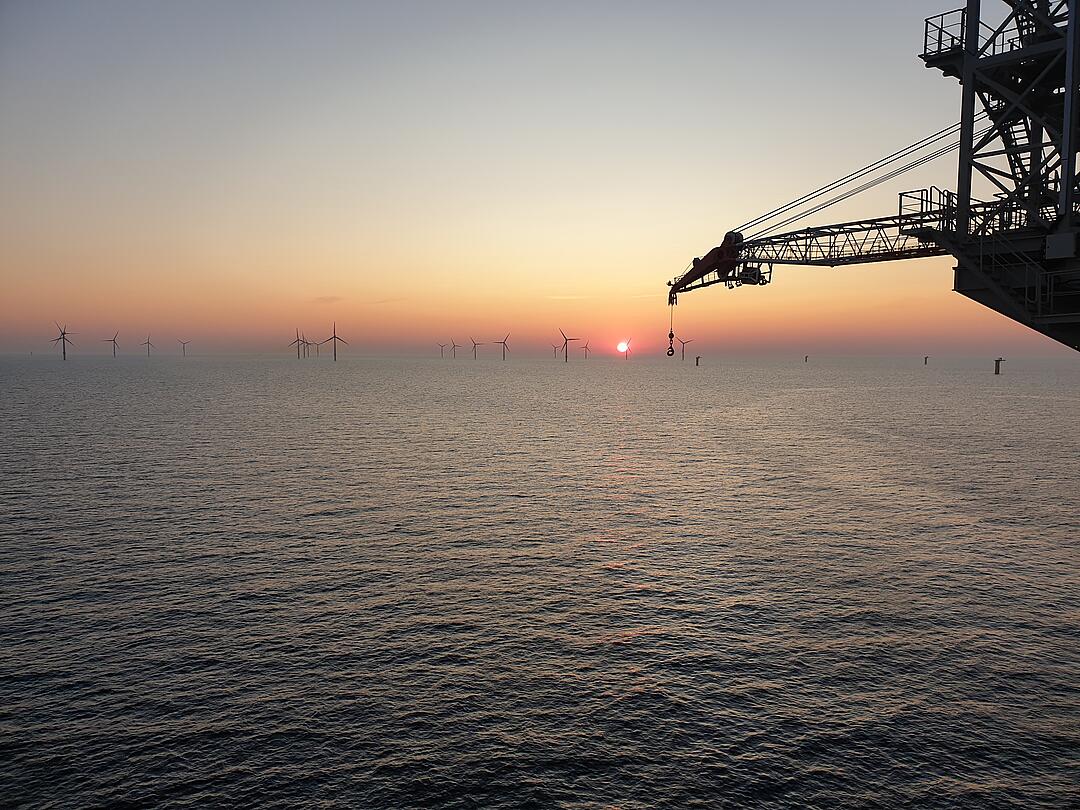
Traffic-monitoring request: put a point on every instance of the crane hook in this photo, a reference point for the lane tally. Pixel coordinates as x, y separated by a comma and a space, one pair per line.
671, 333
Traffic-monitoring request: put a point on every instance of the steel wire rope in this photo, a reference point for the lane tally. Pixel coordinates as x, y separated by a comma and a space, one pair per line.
859, 173
865, 187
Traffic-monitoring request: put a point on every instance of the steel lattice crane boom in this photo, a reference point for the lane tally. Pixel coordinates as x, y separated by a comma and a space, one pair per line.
1016, 252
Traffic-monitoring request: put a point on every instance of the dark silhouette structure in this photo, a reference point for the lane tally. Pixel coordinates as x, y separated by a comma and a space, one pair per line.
565, 346
505, 346
474, 346
684, 342
997, 365
148, 345
1016, 250
585, 350
335, 340
297, 343
555, 350
442, 350
626, 349
183, 346
806, 358
63, 340
453, 348
112, 340
926, 359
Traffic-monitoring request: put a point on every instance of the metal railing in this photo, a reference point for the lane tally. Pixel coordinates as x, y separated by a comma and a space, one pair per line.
945, 33
1033, 286
929, 208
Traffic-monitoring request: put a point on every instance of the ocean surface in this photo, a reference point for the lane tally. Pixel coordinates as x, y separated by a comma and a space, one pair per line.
414, 583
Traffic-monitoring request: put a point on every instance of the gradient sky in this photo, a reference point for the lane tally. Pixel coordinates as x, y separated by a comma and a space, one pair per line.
226, 172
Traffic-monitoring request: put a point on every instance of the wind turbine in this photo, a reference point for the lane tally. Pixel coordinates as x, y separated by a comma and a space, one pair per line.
926, 359
148, 345
183, 345
297, 344
586, 350
555, 350
474, 345
502, 343
565, 344
626, 349
63, 339
335, 340
684, 342
307, 345
453, 348
112, 340
442, 350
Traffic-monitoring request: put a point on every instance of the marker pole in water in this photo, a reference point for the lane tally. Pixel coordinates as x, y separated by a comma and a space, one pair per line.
697, 360
997, 365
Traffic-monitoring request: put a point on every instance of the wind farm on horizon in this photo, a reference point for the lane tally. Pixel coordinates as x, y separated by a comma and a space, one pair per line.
447, 351
307, 348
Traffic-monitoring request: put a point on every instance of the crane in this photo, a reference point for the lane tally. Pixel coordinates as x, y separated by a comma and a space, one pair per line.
1016, 252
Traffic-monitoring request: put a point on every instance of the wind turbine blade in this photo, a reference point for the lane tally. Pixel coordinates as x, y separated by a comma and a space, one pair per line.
561, 332
343, 340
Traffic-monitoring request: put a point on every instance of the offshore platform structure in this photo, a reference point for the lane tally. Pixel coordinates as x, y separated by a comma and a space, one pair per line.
1016, 252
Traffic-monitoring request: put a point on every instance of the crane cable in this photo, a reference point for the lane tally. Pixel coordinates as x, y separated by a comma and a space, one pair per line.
860, 173
944, 150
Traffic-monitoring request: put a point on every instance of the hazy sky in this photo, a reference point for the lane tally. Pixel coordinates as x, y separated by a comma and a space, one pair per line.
227, 171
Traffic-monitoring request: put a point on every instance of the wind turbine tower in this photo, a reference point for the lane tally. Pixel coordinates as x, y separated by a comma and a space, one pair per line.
565, 345
585, 350
112, 340
505, 347
684, 342
453, 348
148, 345
183, 346
63, 339
474, 345
442, 350
336, 340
